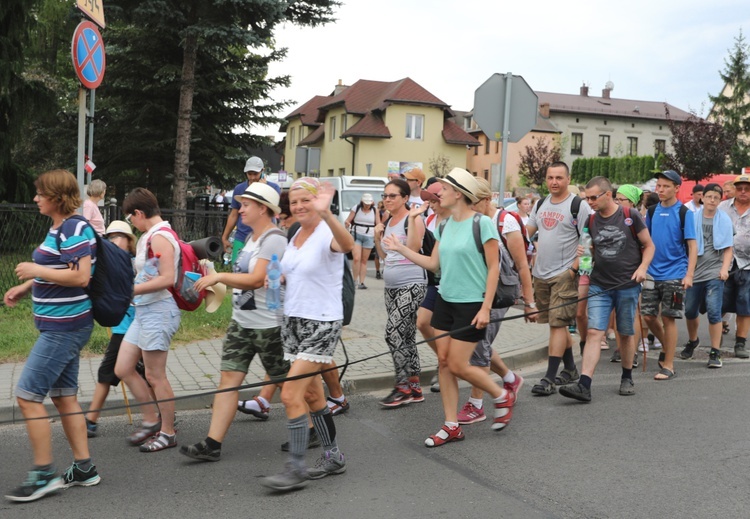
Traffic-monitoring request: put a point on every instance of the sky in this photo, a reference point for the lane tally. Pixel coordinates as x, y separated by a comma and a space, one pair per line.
657, 50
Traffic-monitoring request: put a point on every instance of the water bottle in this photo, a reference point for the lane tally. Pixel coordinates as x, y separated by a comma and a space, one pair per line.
273, 293
227, 258
150, 270
228, 255
585, 262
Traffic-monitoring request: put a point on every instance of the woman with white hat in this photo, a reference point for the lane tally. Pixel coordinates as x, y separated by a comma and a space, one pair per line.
361, 223
468, 280
254, 329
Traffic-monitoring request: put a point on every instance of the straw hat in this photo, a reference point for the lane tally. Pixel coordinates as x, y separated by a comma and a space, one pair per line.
463, 182
263, 194
119, 226
215, 294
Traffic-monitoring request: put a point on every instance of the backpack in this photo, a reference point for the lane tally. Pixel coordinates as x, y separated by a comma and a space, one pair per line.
111, 287
348, 289
182, 291
575, 206
524, 232
626, 212
428, 243
683, 211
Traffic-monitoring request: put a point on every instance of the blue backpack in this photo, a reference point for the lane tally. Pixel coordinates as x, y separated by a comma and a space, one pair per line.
111, 287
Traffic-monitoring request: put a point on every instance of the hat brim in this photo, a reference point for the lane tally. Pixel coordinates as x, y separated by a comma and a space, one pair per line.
428, 197
215, 294
662, 175
257, 198
450, 181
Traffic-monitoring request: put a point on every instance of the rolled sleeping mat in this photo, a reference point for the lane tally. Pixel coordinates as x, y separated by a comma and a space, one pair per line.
209, 248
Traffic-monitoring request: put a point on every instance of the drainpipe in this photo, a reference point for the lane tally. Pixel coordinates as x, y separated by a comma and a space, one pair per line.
353, 148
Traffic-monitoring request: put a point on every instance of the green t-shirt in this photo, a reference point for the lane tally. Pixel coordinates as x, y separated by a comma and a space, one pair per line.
463, 272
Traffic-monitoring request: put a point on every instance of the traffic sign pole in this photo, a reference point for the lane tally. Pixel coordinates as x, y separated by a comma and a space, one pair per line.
506, 134
81, 139
92, 98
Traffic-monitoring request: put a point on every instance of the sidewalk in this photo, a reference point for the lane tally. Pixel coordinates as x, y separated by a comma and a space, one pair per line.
194, 368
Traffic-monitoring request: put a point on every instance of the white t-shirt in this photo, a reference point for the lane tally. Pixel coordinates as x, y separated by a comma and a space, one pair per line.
141, 253
260, 318
313, 277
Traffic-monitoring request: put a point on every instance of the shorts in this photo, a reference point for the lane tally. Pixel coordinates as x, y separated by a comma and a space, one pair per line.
241, 345
310, 340
623, 301
456, 318
705, 297
551, 293
154, 325
367, 241
737, 293
52, 366
428, 303
483, 351
662, 295
106, 373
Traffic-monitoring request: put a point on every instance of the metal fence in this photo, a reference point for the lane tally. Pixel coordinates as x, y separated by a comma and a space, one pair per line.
22, 229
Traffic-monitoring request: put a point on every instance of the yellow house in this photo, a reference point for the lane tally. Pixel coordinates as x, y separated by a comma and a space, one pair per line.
372, 127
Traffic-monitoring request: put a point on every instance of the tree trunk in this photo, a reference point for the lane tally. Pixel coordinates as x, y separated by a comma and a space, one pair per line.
184, 127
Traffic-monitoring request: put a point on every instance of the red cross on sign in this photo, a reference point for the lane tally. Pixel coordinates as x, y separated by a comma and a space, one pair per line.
88, 55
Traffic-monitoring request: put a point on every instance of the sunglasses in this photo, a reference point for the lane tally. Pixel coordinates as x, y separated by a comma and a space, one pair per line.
389, 196
595, 197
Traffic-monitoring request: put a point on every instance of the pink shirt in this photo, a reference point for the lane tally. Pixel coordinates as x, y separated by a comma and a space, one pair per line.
93, 215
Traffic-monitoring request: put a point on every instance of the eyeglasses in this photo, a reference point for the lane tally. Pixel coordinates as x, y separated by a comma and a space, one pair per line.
742, 188
595, 197
621, 200
127, 217
390, 196
412, 180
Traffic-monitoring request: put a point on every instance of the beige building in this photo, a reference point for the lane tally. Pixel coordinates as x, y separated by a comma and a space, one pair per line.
371, 126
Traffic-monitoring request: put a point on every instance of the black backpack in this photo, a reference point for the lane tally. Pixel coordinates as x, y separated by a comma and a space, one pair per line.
575, 206
683, 211
111, 287
347, 280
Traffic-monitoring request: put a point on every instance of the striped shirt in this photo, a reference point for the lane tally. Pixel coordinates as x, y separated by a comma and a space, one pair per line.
59, 308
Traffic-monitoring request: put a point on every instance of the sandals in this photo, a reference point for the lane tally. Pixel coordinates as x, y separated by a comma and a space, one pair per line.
144, 432
159, 442
724, 327
665, 374
545, 387
499, 422
566, 377
453, 435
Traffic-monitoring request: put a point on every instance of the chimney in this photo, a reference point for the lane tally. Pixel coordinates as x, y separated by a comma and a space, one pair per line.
605, 93
544, 110
340, 87
584, 91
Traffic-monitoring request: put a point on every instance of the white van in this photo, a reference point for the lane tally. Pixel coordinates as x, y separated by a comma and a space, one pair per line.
349, 191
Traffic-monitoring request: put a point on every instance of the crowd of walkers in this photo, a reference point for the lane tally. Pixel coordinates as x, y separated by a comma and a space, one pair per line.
615, 260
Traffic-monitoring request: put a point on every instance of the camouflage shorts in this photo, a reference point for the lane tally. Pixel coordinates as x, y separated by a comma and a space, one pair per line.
241, 345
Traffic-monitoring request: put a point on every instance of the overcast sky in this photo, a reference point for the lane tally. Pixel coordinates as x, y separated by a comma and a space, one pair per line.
657, 50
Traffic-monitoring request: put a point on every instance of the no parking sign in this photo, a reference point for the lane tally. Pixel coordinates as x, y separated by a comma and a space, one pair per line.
88, 55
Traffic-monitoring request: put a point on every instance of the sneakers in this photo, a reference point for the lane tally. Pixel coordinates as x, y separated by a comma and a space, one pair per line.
653, 342
740, 352
378, 275
416, 393
616, 357
501, 419
401, 395
75, 477
689, 348
337, 407
643, 347
576, 392
262, 413
37, 485
435, 384
291, 479
362, 286
470, 414
714, 360
327, 465
515, 386
627, 387
91, 428
313, 441
201, 451
445, 435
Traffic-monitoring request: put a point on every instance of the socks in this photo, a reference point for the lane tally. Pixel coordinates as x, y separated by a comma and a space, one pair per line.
326, 429
299, 434
582, 345
568, 360
49, 469
476, 402
627, 373
253, 404
501, 411
553, 364
84, 464
212, 444
509, 377
332, 401
585, 381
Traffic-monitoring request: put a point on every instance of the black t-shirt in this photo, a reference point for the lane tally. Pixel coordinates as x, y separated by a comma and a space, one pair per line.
617, 253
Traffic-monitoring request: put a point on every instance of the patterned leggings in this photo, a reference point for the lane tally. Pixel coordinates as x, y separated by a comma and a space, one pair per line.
402, 304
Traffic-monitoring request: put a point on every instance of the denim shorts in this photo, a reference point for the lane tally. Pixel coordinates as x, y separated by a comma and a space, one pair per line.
52, 366
624, 302
705, 297
154, 325
737, 293
367, 241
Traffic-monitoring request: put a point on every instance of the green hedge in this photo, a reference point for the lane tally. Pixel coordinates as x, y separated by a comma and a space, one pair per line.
621, 170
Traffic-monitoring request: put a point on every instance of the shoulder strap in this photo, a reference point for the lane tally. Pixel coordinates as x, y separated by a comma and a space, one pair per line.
575, 206
500, 225
626, 212
441, 226
477, 231
540, 202
292, 231
650, 216
683, 212
591, 222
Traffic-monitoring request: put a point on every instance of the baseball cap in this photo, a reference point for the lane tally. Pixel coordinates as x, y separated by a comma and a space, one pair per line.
415, 174
432, 193
672, 175
254, 164
742, 178
698, 188
367, 198
713, 187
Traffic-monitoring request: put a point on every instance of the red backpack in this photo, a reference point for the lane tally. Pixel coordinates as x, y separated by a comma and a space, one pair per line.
524, 232
182, 291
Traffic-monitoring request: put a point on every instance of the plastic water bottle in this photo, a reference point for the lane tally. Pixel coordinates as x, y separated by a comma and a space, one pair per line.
585, 262
150, 270
227, 258
228, 255
273, 293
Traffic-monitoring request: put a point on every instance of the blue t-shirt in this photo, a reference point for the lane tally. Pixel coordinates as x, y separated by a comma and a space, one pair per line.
671, 258
242, 229
59, 308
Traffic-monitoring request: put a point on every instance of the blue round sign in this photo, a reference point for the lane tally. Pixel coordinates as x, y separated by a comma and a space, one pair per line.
88, 55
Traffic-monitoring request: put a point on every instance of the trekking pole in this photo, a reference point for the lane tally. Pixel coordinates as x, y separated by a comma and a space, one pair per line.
643, 344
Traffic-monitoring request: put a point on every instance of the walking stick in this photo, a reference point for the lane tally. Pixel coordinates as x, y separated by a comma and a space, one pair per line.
122, 386
640, 325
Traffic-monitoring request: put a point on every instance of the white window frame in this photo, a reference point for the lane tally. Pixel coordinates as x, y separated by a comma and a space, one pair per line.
414, 127
332, 123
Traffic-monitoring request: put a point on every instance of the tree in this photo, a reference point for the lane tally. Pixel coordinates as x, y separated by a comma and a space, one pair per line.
732, 106
439, 165
700, 147
536, 158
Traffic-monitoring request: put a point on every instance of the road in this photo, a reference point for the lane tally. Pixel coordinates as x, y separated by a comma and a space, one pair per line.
675, 449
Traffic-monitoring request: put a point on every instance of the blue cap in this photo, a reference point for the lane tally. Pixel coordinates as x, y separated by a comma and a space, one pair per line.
670, 175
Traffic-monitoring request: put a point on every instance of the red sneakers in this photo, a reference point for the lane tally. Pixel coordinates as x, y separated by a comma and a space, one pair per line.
515, 387
445, 435
470, 414
399, 396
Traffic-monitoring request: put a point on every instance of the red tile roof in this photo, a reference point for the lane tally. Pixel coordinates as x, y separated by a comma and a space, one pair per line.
314, 137
371, 125
571, 103
454, 134
308, 112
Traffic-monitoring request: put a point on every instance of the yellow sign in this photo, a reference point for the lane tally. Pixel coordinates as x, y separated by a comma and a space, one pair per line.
94, 9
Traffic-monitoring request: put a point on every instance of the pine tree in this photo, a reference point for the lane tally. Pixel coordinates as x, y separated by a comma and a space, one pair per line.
732, 107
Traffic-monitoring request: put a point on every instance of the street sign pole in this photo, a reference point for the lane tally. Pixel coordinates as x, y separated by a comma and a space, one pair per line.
92, 98
81, 138
506, 134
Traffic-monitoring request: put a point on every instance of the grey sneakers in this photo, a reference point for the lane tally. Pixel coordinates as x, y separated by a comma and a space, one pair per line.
291, 479
328, 464
627, 387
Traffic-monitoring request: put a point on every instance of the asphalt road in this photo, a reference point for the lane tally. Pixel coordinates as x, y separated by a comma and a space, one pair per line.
675, 449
